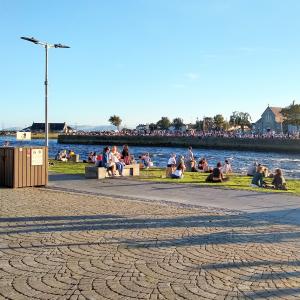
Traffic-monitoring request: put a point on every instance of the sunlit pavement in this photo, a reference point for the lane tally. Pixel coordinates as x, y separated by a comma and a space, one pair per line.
283, 207
58, 244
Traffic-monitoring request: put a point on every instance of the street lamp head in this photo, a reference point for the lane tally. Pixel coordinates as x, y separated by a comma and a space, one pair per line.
32, 39
60, 46
44, 44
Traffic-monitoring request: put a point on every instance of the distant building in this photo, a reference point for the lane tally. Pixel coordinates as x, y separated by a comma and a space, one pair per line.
144, 128
271, 121
53, 127
183, 128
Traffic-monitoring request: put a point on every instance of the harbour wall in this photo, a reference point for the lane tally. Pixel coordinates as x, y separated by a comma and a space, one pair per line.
247, 144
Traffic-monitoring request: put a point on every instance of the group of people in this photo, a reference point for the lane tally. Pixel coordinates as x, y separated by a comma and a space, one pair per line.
190, 133
111, 159
145, 161
177, 167
220, 173
114, 160
64, 155
260, 172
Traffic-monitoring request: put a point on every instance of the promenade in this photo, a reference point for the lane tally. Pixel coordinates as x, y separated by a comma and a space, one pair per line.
126, 239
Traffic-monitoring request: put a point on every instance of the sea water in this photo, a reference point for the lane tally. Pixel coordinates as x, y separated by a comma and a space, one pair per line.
240, 160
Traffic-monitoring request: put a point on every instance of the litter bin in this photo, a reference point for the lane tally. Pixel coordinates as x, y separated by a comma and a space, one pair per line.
23, 166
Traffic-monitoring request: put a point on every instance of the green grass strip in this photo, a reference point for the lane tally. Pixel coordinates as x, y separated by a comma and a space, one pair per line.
237, 181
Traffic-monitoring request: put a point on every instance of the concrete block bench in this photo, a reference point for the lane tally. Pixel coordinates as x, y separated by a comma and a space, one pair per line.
93, 172
74, 158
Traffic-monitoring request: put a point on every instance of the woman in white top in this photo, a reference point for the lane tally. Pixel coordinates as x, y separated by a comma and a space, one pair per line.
227, 167
178, 174
172, 161
115, 155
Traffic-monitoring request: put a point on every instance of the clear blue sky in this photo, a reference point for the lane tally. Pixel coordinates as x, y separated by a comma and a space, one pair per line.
143, 59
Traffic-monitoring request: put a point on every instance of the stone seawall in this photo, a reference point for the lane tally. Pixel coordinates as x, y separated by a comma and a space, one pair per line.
273, 145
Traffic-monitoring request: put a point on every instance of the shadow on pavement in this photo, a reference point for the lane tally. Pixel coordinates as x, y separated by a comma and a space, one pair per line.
224, 226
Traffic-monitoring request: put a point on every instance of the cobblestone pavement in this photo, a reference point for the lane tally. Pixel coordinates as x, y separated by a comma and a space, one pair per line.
58, 245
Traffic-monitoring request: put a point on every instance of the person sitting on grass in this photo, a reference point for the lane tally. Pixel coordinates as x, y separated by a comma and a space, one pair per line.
203, 165
57, 156
217, 175
279, 182
252, 169
171, 165
90, 157
266, 171
178, 173
227, 169
146, 161
61, 156
258, 177
172, 161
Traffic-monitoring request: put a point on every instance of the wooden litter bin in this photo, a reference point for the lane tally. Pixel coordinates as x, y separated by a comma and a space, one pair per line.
23, 166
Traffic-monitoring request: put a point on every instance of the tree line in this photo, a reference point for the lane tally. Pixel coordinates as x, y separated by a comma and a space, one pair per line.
217, 122
239, 119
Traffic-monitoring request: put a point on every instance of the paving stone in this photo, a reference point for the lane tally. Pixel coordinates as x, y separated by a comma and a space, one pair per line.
59, 245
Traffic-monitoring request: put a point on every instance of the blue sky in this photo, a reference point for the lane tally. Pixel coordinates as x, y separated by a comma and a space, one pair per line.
143, 59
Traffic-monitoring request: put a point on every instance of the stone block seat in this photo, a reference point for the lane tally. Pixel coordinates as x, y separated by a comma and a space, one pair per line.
93, 172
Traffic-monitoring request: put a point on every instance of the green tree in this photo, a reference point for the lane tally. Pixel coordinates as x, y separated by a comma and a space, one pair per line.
239, 118
116, 121
177, 123
234, 119
244, 120
219, 122
291, 114
164, 123
152, 126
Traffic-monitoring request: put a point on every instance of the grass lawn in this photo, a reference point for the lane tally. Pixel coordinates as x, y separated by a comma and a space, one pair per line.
237, 181
67, 167
42, 136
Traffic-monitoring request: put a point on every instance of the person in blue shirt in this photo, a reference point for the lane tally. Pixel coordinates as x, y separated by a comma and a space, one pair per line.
107, 161
258, 177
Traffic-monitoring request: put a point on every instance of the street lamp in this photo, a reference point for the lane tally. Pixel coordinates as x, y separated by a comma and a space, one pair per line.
46, 46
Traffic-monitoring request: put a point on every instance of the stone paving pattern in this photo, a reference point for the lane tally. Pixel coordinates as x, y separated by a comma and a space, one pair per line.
58, 245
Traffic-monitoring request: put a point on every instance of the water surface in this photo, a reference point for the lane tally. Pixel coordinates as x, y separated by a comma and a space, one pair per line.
240, 160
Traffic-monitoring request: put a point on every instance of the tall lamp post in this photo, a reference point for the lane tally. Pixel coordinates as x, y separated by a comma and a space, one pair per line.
46, 46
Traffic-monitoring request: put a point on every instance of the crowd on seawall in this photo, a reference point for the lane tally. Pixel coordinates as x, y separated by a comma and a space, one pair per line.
198, 134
